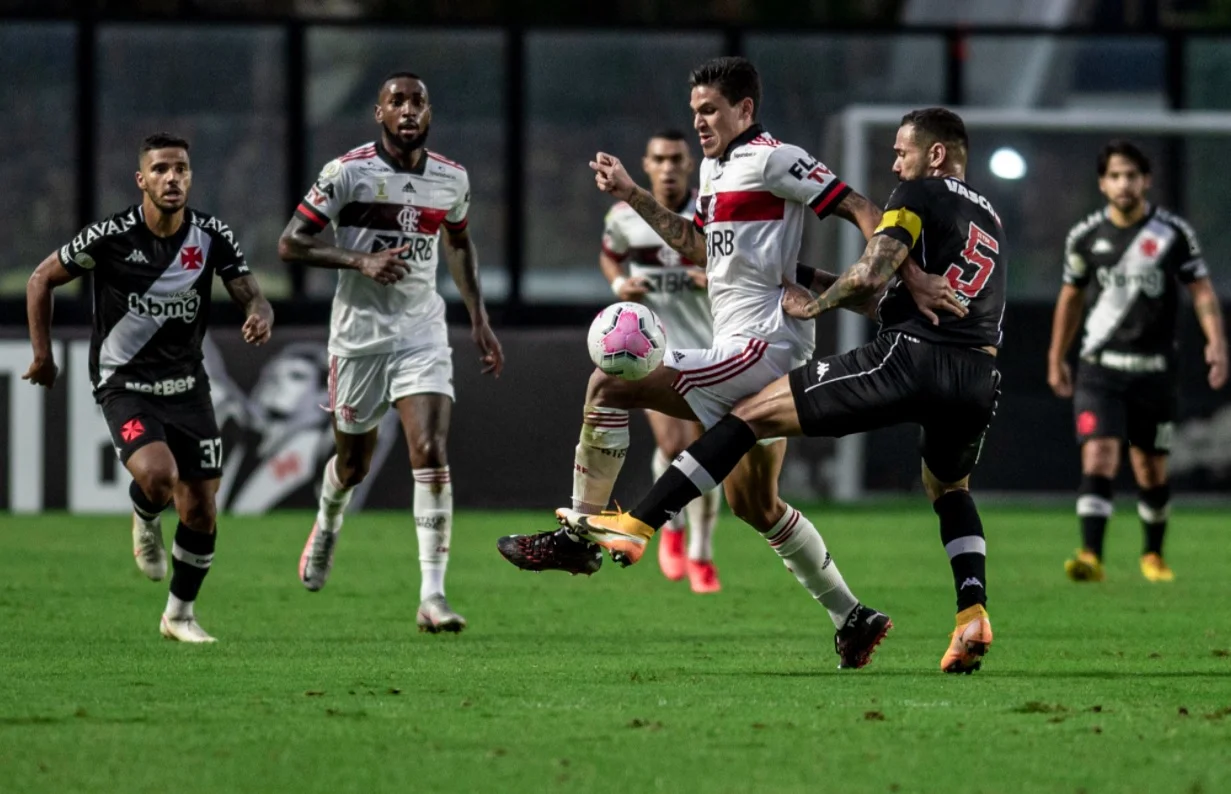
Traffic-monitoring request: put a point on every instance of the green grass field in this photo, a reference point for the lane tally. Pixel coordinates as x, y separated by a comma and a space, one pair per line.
622, 682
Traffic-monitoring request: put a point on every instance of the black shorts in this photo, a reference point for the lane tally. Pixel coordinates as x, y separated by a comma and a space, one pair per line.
1139, 408
949, 391
186, 426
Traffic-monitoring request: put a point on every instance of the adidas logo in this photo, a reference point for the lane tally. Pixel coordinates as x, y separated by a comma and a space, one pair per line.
137, 256
408, 188
971, 582
679, 355
821, 368
1101, 246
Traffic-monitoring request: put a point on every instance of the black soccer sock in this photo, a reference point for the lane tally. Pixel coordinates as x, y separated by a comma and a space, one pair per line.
1094, 508
1154, 507
190, 561
961, 530
142, 504
697, 470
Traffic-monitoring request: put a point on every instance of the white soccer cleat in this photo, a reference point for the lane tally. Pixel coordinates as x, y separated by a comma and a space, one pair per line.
184, 630
148, 550
317, 559
435, 615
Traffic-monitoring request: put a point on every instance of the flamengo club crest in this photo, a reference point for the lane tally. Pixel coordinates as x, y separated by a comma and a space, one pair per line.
408, 218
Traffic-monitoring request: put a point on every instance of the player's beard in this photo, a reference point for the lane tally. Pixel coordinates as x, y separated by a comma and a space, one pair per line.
416, 142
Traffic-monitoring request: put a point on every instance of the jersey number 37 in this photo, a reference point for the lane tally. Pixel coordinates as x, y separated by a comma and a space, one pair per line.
968, 279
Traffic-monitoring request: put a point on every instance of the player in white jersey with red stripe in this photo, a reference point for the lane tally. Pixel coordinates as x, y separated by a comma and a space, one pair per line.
755, 192
641, 267
387, 202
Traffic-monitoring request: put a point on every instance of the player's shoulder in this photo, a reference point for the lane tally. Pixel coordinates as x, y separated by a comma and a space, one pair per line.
361, 157
1174, 220
213, 226
115, 225
1085, 227
438, 163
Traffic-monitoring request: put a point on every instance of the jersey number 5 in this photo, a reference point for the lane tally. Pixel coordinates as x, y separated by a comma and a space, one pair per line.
969, 279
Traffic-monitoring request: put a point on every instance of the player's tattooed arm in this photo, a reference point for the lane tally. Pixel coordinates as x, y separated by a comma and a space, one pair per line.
679, 233
865, 279
47, 276
246, 291
300, 245
1209, 315
463, 260
860, 211
676, 231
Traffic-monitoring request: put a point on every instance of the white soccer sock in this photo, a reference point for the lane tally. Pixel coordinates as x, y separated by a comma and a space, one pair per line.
434, 525
599, 457
803, 552
659, 465
334, 499
177, 609
702, 515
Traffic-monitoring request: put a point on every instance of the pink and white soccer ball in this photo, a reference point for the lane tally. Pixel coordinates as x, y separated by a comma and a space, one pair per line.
627, 340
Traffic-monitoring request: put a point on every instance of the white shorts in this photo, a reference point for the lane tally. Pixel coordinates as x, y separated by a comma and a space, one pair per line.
361, 388
712, 381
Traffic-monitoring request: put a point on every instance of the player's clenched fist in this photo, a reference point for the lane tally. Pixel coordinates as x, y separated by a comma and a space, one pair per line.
42, 372
385, 267
610, 176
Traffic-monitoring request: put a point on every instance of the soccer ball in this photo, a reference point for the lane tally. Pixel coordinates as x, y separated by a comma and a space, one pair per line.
627, 340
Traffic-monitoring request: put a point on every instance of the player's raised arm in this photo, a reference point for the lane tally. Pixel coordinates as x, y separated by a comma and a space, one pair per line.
684, 237
299, 242
49, 274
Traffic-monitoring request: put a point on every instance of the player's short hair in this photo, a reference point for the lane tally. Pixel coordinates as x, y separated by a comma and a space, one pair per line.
396, 76
671, 134
939, 125
161, 140
734, 77
1126, 149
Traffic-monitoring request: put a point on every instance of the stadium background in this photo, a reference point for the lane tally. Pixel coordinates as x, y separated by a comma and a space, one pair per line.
523, 95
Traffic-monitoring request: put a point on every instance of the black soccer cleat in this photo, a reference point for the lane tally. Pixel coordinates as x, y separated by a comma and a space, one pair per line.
551, 551
860, 634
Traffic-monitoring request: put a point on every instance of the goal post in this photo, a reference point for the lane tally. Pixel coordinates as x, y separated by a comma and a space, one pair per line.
856, 124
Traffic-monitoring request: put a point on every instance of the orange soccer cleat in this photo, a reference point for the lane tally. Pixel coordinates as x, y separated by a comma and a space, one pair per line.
969, 642
623, 536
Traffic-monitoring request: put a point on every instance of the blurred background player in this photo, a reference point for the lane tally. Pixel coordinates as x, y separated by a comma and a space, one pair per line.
388, 201
1132, 256
675, 288
153, 267
940, 375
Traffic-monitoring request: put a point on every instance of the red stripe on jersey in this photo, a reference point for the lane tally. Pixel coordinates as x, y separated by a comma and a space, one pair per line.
311, 215
735, 366
748, 205
613, 254
404, 218
362, 153
446, 161
823, 204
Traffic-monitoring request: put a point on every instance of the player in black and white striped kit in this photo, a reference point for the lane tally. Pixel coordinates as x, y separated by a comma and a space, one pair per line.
1126, 263
153, 267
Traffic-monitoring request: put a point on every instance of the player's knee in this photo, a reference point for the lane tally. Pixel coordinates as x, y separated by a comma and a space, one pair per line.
157, 483
351, 470
201, 515
1100, 458
428, 452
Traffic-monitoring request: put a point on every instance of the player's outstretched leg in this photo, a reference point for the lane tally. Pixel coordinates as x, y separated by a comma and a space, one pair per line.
961, 532
154, 477
192, 555
599, 457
